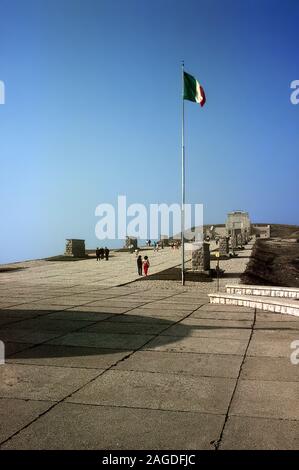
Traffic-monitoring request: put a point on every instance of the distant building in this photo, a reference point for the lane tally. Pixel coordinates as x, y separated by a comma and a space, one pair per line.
238, 226
261, 231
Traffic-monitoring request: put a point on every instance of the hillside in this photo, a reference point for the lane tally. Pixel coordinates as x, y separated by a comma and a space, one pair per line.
283, 231
274, 262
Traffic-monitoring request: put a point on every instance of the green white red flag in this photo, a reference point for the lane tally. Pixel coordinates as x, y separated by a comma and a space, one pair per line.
193, 91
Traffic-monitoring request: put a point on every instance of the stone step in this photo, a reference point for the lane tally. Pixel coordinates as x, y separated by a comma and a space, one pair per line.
269, 304
268, 291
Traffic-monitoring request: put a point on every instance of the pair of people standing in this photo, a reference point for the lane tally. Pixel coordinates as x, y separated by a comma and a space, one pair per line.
142, 264
101, 253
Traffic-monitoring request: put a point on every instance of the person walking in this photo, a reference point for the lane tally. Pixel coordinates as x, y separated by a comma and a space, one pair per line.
101, 253
106, 253
98, 254
146, 265
139, 265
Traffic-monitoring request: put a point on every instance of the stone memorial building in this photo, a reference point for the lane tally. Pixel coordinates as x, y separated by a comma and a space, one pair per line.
238, 227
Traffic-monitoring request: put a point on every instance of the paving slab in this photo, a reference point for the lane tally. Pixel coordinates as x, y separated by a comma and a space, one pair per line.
207, 331
8, 320
69, 356
41, 307
205, 365
65, 301
187, 300
246, 433
100, 309
16, 314
275, 317
6, 304
226, 308
144, 319
105, 340
150, 312
276, 325
118, 303
278, 345
73, 427
15, 414
80, 315
126, 328
157, 391
267, 399
50, 324
149, 297
239, 324
239, 316
198, 345
173, 306
26, 336
12, 348
41, 383
173, 301
274, 335
269, 368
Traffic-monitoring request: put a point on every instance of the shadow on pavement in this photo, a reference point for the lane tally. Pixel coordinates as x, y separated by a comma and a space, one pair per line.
174, 274
44, 335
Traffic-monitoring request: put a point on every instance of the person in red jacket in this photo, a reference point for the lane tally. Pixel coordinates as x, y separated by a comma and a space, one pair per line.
146, 264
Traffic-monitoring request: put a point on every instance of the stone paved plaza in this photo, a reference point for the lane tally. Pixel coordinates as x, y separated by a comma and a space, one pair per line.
93, 364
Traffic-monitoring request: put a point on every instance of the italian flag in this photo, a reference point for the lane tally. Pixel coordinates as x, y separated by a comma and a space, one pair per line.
192, 90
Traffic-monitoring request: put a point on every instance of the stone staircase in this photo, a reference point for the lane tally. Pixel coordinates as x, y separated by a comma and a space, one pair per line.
275, 299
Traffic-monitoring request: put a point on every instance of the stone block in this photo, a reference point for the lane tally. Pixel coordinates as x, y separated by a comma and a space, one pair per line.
131, 242
201, 257
223, 246
75, 247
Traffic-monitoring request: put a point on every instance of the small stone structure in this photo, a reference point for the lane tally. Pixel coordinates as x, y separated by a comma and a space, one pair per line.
261, 231
200, 260
233, 241
75, 248
240, 238
224, 247
131, 242
165, 240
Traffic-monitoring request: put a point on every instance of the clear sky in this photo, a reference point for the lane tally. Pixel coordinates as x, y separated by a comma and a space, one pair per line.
93, 110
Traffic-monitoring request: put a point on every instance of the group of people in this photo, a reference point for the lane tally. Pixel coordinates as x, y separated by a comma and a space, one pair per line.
175, 246
142, 264
102, 253
156, 245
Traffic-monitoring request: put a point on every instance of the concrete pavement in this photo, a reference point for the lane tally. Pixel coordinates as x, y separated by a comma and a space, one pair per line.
94, 366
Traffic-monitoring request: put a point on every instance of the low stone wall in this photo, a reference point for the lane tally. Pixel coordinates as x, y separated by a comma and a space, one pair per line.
75, 248
266, 291
273, 305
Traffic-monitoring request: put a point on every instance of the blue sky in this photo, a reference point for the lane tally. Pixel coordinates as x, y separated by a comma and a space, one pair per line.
93, 110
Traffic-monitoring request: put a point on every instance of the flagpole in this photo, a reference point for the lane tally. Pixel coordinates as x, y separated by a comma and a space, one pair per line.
183, 181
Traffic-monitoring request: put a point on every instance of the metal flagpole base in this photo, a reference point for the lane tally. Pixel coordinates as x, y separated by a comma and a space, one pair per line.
183, 278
